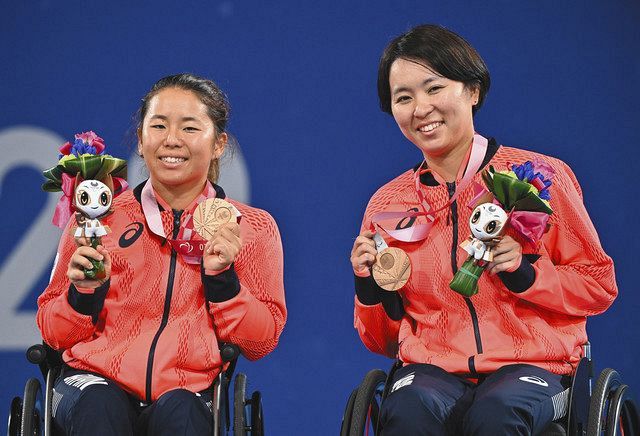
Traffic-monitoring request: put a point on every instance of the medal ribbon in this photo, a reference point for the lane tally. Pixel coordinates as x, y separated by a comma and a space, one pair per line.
419, 232
188, 243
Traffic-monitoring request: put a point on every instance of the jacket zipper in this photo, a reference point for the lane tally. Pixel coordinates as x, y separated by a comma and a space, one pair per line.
451, 189
167, 306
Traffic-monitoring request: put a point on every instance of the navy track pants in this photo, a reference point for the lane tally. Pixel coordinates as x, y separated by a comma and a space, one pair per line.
89, 404
515, 400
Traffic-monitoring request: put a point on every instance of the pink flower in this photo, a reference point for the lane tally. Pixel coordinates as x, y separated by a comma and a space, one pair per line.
544, 169
65, 149
92, 139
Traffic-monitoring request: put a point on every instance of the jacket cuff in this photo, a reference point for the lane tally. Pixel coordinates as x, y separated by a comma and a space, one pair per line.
88, 303
370, 294
221, 287
368, 291
521, 279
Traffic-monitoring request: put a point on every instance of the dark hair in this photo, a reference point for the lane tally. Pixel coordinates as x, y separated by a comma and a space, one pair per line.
208, 93
442, 51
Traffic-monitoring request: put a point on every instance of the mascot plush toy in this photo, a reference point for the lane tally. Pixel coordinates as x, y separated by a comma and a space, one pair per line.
523, 191
89, 180
488, 222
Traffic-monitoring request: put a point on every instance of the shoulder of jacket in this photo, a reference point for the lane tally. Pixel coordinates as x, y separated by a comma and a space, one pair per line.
125, 199
258, 219
518, 156
394, 187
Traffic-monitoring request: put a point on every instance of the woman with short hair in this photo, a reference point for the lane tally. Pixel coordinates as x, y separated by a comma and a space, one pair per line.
496, 362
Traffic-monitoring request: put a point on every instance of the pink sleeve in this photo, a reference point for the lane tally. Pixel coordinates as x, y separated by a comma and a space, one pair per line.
255, 318
60, 324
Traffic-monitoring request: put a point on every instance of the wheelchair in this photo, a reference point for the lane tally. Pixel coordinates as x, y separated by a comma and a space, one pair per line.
606, 409
30, 415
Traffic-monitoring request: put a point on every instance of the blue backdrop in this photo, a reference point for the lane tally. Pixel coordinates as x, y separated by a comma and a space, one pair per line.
313, 145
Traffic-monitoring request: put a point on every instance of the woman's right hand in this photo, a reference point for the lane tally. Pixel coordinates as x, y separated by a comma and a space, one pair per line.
80, 261
363, 254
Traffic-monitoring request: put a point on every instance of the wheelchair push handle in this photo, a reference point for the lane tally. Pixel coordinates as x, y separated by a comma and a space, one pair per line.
229, 352
36, 354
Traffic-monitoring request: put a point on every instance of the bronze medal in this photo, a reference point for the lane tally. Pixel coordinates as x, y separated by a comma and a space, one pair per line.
392, 269
210, 215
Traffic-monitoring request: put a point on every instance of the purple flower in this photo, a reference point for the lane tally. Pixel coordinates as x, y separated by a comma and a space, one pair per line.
85, 143
80, 147
527, 172
92, 139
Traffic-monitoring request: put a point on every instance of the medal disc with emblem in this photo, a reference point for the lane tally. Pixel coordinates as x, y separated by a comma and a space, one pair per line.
392, 268
210, 215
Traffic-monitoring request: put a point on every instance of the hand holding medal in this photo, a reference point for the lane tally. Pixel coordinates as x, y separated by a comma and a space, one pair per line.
390, 266
215, 220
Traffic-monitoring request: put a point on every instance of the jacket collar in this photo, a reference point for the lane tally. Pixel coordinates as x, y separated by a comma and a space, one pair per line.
137, 192
428, 179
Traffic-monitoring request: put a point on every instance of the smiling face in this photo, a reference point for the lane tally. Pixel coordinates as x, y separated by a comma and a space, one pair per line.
433, 112
178, 141
487, 221
93, 198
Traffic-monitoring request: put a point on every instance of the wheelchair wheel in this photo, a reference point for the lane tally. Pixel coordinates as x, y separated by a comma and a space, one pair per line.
348, 412
601, 403
366, 406
32, 422
239, 395
256, 425
248, 418
15, 417
622, 416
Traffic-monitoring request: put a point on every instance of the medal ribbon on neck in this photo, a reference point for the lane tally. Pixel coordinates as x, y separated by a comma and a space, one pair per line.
188, 243
419, 232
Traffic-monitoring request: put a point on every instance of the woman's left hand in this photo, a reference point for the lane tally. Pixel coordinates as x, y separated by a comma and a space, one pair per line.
507, 256
222, 248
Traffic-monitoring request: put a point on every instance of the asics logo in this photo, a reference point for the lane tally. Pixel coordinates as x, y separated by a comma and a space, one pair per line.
535, 380
404, 381
134, 230
405, 223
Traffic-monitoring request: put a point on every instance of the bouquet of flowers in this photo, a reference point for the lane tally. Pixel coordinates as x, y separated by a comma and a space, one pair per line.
88, 179
518, 198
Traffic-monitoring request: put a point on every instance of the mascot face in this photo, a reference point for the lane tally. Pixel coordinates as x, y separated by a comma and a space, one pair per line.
487, 221
93, 198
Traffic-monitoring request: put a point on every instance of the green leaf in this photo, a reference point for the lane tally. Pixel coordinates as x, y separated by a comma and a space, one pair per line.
509, 190
54, 173
487, 176
51, 186
531, 202
111, 165
87, 166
